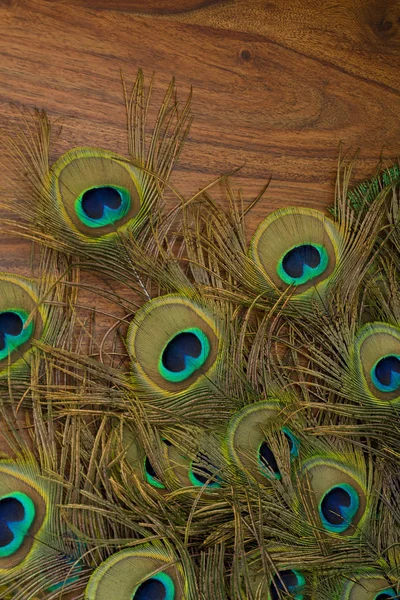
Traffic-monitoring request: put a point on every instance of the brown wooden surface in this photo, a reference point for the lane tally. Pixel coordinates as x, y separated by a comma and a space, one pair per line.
277, 85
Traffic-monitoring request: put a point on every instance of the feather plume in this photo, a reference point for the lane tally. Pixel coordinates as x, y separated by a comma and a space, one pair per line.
234, 433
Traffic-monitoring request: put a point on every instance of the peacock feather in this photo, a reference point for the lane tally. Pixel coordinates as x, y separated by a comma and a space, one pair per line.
92, 202
187, 415
23, 318
305, 258
376, 362
339, 492
141, 573
369, 585
187, 349
248, 443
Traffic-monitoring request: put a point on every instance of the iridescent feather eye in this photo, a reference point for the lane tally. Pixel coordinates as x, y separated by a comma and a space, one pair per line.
376, 363
298, 248
202, 471
289, 582
178, 469
339, 493
141, 573
22, 319
248, 445
369, 586
95, 192
138, 460
24, 513
36, 552
174, 345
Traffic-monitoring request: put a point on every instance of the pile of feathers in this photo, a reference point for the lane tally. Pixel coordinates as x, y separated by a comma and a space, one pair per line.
187, 414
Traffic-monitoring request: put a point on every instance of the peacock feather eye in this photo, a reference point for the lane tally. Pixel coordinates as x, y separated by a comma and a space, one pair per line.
158, 587
17, 513
22, 318
267, 461
296, 247
339, 492
247, 443
151, 475
24, 507
174, 344
338, 507
266, 457
13, 332
102, 205
94, 192
302, 263
375, 363
144, 572
385, 373
184, 354
203, 472
288, 582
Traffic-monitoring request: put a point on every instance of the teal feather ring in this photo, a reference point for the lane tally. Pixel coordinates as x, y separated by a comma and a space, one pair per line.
104, 205
174, 345
340, 493
17, 513
296, 248
375, 363
93, 192
144, 572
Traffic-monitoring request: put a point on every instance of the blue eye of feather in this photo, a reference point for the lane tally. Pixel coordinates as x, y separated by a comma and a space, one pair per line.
267, 461
17, 513
158, 587
202, 472
294, 443
10, 324
266, 458
181, 346
12, 332
302, 263
11, 511
386, 594
151, 475
338, 506
184, 354
95, 200
288, 581
385, 374
103, 205
149, 468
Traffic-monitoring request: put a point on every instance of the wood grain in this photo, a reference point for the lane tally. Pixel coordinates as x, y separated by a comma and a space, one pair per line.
149, 7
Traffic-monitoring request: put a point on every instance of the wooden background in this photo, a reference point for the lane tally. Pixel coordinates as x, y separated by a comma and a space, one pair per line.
277, 84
